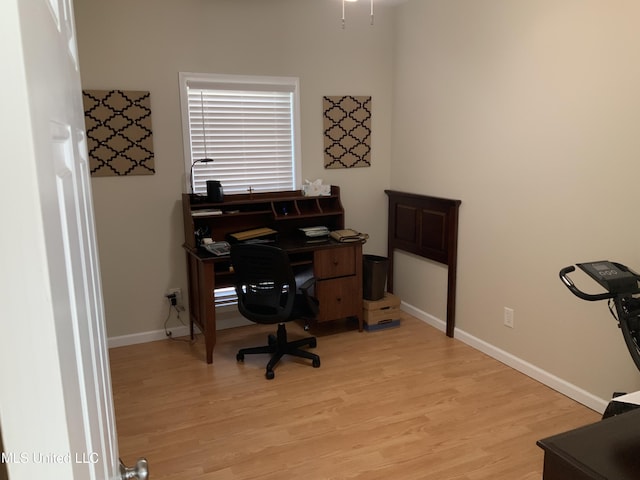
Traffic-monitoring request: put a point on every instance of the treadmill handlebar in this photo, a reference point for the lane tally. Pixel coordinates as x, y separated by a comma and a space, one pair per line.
579, 293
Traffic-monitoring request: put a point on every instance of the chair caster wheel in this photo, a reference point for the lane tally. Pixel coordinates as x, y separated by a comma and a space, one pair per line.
313, 343
270, 375
272, 340
316, 363
240, 357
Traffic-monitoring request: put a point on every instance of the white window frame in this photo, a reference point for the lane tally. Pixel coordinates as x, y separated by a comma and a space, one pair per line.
239, 82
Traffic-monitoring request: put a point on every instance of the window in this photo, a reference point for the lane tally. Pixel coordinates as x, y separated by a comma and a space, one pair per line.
248, 126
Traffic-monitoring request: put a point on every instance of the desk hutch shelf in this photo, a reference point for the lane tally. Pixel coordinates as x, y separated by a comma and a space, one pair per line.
285, 212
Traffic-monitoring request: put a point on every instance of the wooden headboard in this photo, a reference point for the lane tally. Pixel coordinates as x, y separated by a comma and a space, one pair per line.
428, 227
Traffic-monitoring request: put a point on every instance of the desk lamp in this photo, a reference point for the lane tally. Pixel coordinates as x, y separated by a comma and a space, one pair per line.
206, 158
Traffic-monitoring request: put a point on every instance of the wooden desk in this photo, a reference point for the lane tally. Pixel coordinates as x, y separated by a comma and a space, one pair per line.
337, 267
609, 449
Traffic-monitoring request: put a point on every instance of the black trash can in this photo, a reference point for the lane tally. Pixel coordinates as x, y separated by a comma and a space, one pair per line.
374, 276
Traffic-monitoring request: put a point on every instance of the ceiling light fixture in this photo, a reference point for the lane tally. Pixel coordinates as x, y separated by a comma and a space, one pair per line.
352, 1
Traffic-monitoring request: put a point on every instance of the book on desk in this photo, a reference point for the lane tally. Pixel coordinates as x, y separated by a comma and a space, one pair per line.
263, 233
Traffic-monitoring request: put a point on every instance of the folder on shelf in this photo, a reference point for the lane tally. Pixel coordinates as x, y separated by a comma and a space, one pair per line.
205, 212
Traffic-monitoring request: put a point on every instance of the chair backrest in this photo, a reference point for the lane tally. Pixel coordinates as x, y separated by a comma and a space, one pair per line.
264, 282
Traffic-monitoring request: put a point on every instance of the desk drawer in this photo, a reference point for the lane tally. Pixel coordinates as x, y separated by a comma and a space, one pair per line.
334, 262
337, 298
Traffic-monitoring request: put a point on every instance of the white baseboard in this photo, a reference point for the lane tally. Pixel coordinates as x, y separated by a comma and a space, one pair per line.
424, 316
144, 337
225, 320
572, 391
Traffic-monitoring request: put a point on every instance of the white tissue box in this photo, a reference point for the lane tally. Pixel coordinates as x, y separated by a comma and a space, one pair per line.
315, 189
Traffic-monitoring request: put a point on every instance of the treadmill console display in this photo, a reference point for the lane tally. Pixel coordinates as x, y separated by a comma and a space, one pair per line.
614, 278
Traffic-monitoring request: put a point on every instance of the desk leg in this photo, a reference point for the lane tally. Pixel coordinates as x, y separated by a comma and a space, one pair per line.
207, 313
360, 293
193, 293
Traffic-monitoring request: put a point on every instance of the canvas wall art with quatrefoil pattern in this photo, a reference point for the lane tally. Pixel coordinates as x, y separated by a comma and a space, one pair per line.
119, 135
347, 131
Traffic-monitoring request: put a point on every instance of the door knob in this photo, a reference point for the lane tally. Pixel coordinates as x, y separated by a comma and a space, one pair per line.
140, 471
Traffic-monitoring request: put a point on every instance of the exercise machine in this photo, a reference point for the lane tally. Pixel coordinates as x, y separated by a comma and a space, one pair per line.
621, 285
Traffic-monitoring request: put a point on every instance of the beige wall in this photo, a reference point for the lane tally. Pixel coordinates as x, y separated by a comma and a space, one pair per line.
529, 112
143, 44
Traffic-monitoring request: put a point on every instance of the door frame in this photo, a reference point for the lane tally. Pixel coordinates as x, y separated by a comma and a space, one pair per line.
40, 385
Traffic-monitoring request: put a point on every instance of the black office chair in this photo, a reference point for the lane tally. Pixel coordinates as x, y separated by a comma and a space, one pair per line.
266, 287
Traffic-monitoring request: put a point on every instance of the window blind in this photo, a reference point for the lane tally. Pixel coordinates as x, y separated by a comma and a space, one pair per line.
249, 134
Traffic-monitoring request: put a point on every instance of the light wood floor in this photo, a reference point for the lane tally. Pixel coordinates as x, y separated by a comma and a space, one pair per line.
404, 403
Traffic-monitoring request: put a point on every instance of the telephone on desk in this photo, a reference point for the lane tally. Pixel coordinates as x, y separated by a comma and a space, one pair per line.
315, 232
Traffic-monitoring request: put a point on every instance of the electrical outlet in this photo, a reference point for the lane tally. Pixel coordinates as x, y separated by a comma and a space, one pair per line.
178, 293
508, 317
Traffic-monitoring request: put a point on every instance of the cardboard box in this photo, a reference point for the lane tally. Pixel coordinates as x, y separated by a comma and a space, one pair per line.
381, 314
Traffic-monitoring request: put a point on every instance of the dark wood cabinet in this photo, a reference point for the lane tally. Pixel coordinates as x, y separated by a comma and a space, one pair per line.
608, 449
338, 273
